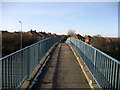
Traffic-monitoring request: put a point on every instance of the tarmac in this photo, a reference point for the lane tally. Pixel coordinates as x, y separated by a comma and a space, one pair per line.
63, 71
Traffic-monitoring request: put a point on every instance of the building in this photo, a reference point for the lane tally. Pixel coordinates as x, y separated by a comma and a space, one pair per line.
34, 34
49, 34
78, 36
87, 38
43, 34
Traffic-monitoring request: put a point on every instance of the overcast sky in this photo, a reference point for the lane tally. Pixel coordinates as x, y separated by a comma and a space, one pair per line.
58, 17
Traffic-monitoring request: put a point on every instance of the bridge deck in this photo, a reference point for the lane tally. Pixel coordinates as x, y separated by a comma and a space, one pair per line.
63, 71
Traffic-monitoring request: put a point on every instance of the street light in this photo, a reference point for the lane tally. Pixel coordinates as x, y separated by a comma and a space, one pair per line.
21, 35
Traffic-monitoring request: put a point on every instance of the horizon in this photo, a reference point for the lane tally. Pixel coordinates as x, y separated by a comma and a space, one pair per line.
86, 18
60, 34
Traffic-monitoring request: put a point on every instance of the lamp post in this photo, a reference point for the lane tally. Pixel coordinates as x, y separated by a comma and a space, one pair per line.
21, 35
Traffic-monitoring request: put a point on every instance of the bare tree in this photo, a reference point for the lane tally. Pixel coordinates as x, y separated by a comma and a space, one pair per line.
71, 32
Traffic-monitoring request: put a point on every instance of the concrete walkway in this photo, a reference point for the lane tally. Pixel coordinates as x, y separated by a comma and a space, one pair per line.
64, 70
69, 73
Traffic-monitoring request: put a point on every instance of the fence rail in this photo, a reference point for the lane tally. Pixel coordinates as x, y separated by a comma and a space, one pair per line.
16, 67
105, 69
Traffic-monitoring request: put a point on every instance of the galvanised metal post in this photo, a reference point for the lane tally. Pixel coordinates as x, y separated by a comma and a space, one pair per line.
15, 68
118, 82
1, 74
105, 69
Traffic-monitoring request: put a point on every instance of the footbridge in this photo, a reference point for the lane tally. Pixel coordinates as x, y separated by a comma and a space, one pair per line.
50, 64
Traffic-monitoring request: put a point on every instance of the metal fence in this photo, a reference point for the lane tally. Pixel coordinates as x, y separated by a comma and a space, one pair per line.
105, 69
15, 68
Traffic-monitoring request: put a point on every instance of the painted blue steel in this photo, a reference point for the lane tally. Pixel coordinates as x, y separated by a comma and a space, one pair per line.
105, 69
15, 68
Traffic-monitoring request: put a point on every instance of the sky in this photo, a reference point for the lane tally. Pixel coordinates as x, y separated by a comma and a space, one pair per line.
86, 18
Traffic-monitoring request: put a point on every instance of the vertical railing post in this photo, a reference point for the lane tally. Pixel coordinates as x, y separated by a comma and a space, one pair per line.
116, 75
1, 74
118, 83
28, 61
94, 72
106, 70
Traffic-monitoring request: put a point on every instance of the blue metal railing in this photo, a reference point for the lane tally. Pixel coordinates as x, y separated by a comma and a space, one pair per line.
15, 68
105, 69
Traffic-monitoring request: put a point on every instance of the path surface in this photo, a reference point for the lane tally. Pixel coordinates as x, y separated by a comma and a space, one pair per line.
64, 70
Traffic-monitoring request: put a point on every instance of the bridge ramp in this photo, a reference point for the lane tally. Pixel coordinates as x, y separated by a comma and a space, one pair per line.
63, 71
69, 73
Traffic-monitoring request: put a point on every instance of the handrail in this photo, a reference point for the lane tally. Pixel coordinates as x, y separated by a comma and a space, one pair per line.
104, 68
23, 48
16, 67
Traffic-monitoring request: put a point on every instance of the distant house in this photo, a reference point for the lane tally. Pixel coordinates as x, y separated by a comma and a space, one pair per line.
5, 32
55, 35
112, 39
34, 34
87, 38
78, 36
49, 34
108, 39
43, 34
